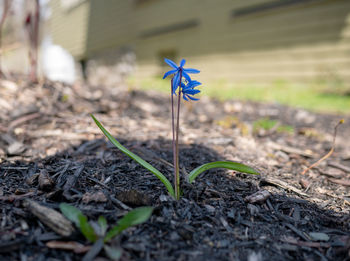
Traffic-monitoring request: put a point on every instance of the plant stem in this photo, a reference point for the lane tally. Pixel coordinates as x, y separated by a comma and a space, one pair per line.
172, 115
173, 130
176, 163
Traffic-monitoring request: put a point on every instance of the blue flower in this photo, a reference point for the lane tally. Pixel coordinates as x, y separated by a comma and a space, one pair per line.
177, 71
188, 90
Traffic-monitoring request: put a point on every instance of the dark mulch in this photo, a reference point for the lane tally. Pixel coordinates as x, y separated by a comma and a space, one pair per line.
51, 152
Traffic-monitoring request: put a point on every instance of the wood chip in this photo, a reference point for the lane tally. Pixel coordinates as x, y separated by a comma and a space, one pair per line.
294, 241
23, 119
318, 236
13, 197
291, 150
344, 182
70, 245
32, 179
134, 197
50, 217
15, 148
45, 181
258, 197
333, 173
94, 197
284, 185
304, 183
339, 166
72, 179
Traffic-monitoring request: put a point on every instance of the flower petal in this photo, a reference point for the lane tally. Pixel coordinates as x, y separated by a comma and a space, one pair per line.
186, 87
168, 73
182, 63
171, 63
187, 77
176, 82
193, 99
184, 96
196, 82
193, 84
191, 70
192, 91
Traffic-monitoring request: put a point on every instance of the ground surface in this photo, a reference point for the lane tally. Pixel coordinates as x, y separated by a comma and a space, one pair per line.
51, 152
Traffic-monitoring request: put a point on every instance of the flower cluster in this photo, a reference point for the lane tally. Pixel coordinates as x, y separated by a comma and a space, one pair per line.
188, 90
187, 86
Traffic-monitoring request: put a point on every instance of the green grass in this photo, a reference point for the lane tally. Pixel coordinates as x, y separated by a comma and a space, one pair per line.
267, 124
309, 96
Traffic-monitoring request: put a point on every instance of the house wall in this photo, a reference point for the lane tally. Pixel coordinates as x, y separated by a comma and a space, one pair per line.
69, 25
297, 42
111, 24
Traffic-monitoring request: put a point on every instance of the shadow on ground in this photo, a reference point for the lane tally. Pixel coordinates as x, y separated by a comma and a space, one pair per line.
212, 221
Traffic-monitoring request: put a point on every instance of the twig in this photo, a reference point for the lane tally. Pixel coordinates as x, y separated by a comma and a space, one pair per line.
32, 27
12, 198
294, 241
5, 11
329, 153
119, 203
24, 119
284, 185
344, 182
298, 232
339, 166
290, 150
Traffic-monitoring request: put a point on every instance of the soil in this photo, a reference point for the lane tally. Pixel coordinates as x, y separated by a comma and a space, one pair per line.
52, 152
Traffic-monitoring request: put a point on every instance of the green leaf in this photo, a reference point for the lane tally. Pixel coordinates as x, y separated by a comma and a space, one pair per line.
138, 159
221, 164
113, 252
80, 220
86, 229
103, 224
72, 213
94, 250
132, 218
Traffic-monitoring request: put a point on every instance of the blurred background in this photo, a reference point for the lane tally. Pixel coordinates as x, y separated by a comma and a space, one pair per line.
294, 52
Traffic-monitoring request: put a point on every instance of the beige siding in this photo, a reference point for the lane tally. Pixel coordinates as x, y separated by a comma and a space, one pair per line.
69, 26
110, 25
298, 42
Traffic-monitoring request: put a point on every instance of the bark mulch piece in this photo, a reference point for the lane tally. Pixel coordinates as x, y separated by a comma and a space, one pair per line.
51, 152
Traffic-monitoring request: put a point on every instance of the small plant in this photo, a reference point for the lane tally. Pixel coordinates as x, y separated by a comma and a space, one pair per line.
184, 87
96, 232
267, 125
